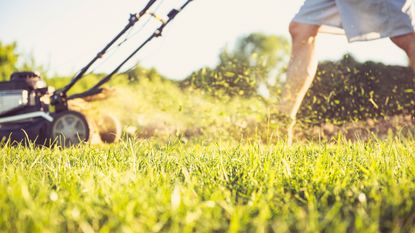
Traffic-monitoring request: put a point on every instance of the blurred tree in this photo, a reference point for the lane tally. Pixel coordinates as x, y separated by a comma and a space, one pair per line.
11, 61
256, 59
8, 60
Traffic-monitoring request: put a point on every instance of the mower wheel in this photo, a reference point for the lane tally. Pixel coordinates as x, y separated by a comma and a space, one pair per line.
69, 128
109, 128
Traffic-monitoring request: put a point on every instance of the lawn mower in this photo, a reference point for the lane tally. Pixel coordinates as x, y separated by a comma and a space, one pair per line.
30, 111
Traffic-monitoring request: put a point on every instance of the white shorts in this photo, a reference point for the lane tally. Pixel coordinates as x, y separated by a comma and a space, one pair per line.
360, 20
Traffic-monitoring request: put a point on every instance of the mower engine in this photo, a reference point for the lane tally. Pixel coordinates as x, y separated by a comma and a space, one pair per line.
25, 89
24, 108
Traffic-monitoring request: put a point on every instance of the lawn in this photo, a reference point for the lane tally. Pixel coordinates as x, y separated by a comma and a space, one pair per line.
216, 186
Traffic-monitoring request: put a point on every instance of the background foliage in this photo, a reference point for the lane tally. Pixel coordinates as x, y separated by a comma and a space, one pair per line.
257, 59
8, 60
347, 90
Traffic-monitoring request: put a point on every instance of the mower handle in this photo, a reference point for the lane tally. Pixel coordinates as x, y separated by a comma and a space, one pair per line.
134, 18
157, 33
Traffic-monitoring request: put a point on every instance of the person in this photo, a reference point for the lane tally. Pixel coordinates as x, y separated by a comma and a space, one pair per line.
359, 20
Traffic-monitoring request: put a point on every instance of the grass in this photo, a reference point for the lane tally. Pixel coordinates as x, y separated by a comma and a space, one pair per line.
148, 186
199, 164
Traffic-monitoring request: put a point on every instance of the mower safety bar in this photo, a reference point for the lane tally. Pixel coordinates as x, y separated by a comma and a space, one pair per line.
90, 92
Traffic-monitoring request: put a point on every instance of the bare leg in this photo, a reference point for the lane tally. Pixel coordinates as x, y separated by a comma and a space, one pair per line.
301, 71
407, 43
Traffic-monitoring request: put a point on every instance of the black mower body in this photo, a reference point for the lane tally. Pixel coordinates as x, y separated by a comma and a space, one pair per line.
30, 131
32, 89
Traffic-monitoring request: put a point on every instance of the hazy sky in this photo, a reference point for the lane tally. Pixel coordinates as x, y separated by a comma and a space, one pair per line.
65, 34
